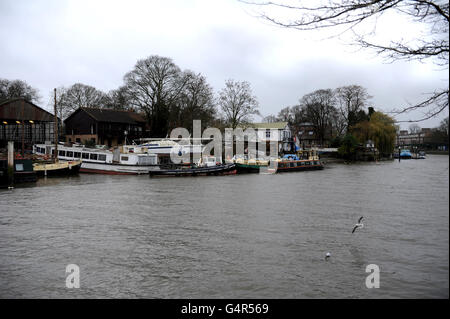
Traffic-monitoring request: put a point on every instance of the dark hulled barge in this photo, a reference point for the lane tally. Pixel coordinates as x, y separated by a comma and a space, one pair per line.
302, 161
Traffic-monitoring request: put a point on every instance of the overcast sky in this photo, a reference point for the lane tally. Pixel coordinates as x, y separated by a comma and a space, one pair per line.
58, 43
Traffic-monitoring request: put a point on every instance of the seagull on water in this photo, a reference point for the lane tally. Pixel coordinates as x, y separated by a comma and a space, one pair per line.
328, 255
359, 224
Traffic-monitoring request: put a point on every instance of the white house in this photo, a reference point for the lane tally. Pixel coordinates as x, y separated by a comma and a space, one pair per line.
273, 132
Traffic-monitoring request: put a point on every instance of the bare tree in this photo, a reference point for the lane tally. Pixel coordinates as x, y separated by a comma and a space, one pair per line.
76, 96
237, 102
17, 89
118, 99
319, 110
338, 123
352, 101
270, 119
414, 129
154, 85
196, 102
285, 115
353, 15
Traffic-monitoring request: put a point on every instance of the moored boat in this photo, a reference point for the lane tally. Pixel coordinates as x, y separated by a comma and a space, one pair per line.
58, 168
302, 161
206, 166
222, 169
23, 172
252, 165
124, 160
405, 154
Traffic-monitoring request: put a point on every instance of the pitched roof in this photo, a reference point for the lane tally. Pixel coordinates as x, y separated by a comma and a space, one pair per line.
274, 125
113, 116
21, 109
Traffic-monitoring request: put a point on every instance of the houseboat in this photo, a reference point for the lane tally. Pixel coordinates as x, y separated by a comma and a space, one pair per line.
23, 172
206, 166
302, 161
123, 160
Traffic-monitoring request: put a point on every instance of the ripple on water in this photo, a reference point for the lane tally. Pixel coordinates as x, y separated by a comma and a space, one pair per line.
242, 236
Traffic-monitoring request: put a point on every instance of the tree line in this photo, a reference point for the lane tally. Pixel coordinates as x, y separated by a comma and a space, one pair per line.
156, 87
169, 98
341, 117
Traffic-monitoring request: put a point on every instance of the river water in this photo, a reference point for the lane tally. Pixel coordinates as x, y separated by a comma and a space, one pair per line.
244, 236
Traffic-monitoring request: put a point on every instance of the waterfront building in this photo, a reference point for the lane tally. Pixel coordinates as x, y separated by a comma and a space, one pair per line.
104, 126
306, 136
279, 132
24, 123
420, 139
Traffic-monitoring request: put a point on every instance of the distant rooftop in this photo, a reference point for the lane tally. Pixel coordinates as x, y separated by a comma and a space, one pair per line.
113, 116
274, 125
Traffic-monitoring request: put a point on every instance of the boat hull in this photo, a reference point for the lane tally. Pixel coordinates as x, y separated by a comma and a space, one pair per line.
227, 169
116, 169
248, 168
297, 166
59, 169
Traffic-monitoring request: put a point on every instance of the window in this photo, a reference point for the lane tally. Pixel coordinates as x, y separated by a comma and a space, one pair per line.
77, 154
93, 156
310, 132
267, 133
85, 155
19, 167
69, 154
78, 140
62, 153
124, 158
102, 157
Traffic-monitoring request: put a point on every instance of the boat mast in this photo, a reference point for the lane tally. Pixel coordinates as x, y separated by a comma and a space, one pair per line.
55, 157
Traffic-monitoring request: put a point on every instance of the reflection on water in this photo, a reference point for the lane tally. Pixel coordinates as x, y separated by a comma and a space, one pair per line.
241, 236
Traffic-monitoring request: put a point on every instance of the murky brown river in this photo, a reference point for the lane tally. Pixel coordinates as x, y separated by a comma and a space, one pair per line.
244, 236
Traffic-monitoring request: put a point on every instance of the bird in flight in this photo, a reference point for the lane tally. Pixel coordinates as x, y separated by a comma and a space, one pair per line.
359, 224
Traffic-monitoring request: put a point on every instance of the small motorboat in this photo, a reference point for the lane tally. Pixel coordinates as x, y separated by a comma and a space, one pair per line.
422, 155
405, 154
